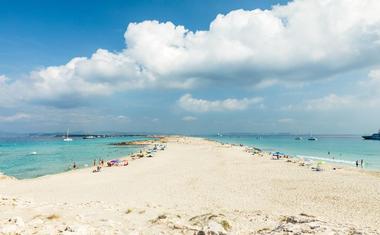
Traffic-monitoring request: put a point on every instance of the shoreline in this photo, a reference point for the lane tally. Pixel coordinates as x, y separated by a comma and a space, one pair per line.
347, 166
195, 185
143, 144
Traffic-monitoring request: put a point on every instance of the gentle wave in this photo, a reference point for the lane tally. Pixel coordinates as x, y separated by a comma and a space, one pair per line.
326, 159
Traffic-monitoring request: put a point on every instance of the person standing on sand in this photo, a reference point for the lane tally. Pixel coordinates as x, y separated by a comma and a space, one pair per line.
95, 162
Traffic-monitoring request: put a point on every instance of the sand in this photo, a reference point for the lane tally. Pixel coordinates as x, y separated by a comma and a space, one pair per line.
195, 186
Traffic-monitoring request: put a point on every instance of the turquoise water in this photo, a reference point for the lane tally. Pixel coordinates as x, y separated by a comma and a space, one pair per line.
29, 157
343, 149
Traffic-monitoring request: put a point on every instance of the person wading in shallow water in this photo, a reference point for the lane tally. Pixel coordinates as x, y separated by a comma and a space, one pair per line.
357, 163
361, 163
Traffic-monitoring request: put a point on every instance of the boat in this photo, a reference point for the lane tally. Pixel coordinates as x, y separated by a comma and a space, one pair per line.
312, 138
67, 138
375, 136
298, 138
89, 137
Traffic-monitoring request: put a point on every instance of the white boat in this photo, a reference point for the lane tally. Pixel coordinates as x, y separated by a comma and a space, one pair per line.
312, 138
89, 137
67, 138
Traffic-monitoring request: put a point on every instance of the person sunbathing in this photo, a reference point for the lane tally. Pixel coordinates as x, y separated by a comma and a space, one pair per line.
98, 168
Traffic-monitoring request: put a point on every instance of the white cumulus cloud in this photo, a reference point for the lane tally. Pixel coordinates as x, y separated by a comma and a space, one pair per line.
188, 103
302, 41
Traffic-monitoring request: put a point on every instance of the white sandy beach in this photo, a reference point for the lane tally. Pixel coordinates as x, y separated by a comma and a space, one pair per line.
191, 187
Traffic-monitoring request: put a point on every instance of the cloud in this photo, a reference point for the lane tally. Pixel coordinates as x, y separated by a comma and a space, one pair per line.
121, 117
189, 118
299, 42
15, 117
3, 79
285, 120
188, 103
330, 102
155, 120
366, 95
372, 84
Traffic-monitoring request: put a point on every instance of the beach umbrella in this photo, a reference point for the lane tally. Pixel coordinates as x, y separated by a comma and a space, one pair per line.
320, 163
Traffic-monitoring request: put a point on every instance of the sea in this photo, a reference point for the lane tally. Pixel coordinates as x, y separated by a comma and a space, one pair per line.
25, 156
335, 149
30, 156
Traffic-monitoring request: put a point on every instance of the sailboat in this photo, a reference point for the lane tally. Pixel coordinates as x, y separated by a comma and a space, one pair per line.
67, 139
312, 138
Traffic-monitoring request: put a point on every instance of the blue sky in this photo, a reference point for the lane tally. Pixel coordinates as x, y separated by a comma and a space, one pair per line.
42, 33
190, 66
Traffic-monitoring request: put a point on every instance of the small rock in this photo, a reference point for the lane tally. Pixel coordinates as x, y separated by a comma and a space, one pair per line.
68, 229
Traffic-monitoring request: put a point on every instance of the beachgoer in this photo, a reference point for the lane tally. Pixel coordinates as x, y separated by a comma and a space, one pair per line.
97, 169
74, 166
357, 163
361, 162
95, 162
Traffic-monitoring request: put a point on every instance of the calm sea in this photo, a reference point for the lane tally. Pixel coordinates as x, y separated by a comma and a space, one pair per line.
29, 157
33, 156
339, 149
